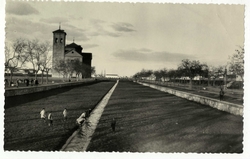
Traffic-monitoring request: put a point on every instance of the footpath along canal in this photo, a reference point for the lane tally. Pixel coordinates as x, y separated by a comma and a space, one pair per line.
149, 120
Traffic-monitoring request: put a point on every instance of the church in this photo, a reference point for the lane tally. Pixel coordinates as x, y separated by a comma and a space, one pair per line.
72, 51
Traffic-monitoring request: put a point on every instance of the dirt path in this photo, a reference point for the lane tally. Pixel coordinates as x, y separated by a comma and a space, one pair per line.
152, 121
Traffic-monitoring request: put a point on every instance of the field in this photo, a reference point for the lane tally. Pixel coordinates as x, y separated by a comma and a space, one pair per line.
24, 130
152, 121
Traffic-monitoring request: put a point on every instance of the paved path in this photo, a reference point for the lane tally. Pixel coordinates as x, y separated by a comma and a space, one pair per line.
152, 121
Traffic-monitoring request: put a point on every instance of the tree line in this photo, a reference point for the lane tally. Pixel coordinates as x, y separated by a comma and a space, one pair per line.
36, 53
68, 67
189, 69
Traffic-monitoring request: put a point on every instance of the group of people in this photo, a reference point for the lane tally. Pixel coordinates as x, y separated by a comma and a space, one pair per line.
79, 121
16, 83
50, 118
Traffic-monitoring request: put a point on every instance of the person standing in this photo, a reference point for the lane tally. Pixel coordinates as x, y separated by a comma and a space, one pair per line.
50, 119
43, 114
65, 114
221, 94
113, 124
17, 83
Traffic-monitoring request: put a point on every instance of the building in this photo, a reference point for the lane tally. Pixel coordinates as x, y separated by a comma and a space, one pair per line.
112, 76
72, 51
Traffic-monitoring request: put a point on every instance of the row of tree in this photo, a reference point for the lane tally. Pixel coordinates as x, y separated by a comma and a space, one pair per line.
68, 67
192, 68
22, 51
37, 54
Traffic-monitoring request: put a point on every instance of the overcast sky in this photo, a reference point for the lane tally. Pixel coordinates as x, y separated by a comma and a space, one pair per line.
126, 37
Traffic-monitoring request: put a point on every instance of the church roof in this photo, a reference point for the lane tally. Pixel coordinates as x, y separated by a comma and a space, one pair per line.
72, 45
59, 31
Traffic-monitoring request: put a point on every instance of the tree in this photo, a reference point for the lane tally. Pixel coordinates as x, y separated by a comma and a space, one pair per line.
60, 67
157, 74
35, 51
70, 69
93, 70
46, 65
215, 72
236, 64
191, 69
78, 68
15, 56
164, 73
171, 74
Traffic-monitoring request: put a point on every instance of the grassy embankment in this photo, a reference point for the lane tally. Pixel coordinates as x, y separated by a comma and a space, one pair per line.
24, 130
152, 121
231, 96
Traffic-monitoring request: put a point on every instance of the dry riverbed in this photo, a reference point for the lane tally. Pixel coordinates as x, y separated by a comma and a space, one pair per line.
24, 130
152, 121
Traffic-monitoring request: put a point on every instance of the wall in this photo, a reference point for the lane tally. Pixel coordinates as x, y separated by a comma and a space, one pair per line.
220, 105
33, 89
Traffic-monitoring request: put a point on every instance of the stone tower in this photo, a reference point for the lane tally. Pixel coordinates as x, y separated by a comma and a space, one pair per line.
59, 40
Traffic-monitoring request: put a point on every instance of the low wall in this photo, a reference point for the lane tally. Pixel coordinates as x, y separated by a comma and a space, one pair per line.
220, 105
34, 89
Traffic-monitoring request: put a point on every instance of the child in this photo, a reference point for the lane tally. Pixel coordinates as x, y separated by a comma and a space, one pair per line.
81, 119
65, 114
43, 114
50, 119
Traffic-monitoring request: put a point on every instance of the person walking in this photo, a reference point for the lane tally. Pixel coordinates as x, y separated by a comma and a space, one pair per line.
50, 119
65, 114
17, 83
113, 124
221, 94
43, 114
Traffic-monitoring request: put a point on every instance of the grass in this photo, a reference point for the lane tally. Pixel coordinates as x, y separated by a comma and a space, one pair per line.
229, 96
152, 121
24, 130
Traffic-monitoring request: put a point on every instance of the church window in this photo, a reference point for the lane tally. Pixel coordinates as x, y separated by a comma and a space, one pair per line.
56, 40
61, 40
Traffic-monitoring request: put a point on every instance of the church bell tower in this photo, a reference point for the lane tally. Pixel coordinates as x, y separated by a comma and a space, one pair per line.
59, 40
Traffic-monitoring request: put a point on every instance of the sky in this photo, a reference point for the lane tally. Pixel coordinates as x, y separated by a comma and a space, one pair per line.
125, 38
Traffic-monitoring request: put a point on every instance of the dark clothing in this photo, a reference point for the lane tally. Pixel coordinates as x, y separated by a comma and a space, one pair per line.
36, 82
221, 94
113, 124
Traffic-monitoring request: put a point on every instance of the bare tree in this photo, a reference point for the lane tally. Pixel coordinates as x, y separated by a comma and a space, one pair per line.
15, 56
35, 52
78, 68
46, 63
236, 64
70, 69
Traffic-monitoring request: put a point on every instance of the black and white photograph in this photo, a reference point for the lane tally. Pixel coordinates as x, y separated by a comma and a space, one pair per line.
109, 77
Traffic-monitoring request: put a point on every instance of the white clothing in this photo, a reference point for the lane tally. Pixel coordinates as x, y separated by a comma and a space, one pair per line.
81, 118
83, 115
50, 116
65, 113
43, 113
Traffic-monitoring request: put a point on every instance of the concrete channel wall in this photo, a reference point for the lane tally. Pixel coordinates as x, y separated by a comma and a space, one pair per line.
34, 89
220, 105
